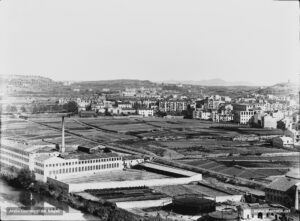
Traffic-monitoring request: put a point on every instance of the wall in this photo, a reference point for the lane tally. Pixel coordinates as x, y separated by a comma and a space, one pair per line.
144, 203
132, 183
234, 198
58, 183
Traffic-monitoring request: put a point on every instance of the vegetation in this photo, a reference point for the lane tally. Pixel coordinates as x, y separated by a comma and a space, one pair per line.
71, 106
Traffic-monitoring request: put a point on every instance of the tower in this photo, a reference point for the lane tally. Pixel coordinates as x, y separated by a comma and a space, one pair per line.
62, 149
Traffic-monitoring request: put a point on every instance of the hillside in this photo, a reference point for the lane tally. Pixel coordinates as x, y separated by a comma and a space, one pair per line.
114, 84
22, 84
212, 82
281, 89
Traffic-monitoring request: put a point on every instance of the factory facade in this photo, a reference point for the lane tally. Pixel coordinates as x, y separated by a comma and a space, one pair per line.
47, 162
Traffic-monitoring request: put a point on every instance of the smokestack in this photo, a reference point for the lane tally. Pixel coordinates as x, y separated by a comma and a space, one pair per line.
62, 149
297, 197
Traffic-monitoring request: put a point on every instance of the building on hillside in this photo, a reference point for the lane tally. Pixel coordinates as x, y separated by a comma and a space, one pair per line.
283, 142
269, 122
243, 117
125, 105
146, 112
172, 106
294, 134
278, 115
242, 107
202, 114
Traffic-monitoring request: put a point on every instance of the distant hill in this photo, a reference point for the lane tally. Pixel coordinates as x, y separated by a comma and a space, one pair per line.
212, 82
117, 84
26, 83
281, 89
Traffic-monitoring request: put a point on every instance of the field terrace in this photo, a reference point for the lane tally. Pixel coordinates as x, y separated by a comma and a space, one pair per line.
258, 174
74, 126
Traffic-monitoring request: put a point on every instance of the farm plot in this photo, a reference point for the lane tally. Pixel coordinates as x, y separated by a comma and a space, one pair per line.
236, 171
125, 128
103, 136
217, 146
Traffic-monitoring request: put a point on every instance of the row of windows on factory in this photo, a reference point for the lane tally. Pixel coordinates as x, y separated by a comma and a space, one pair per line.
83, 162
6, 153
277, 198
85, 168
15, 163
14, 150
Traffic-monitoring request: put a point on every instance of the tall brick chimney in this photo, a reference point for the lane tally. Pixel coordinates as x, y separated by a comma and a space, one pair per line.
62, 149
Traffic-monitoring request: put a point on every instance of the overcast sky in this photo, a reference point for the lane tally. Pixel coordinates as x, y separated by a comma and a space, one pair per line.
236, 40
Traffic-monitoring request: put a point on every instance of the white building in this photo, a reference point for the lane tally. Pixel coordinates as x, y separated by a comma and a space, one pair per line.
67, 165
47, 162
146, 112
283, 142
130, 161
202, 114
243, 117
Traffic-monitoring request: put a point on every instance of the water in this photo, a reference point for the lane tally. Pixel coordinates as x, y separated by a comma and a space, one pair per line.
13, 197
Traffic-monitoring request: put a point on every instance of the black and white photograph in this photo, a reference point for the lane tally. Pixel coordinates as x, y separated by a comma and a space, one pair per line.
149, 110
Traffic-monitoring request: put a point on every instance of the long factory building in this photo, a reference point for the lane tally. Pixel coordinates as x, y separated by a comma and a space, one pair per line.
46, 161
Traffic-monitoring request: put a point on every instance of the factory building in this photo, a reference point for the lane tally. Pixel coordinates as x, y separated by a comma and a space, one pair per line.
63, 166
21, 155
285, 190
47, 161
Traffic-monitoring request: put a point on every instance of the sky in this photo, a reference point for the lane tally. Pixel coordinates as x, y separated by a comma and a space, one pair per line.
157, 40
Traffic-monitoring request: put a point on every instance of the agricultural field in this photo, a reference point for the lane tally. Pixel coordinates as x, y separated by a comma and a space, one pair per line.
252, 173
191, 142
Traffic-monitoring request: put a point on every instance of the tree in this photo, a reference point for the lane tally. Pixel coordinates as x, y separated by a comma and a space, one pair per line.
71, 106
14, 109
89, 107
188, 113
25, 177
106, 113
23, 109
281, 125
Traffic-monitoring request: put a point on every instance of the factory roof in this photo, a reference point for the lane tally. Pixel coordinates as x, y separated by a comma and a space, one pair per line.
283, 184
43, 158
30, 148
85, 156
132, 157
169, 169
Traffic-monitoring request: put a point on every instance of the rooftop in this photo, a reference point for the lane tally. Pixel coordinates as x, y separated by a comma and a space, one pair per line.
117, 175
169, 169
86, 156
283, 184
